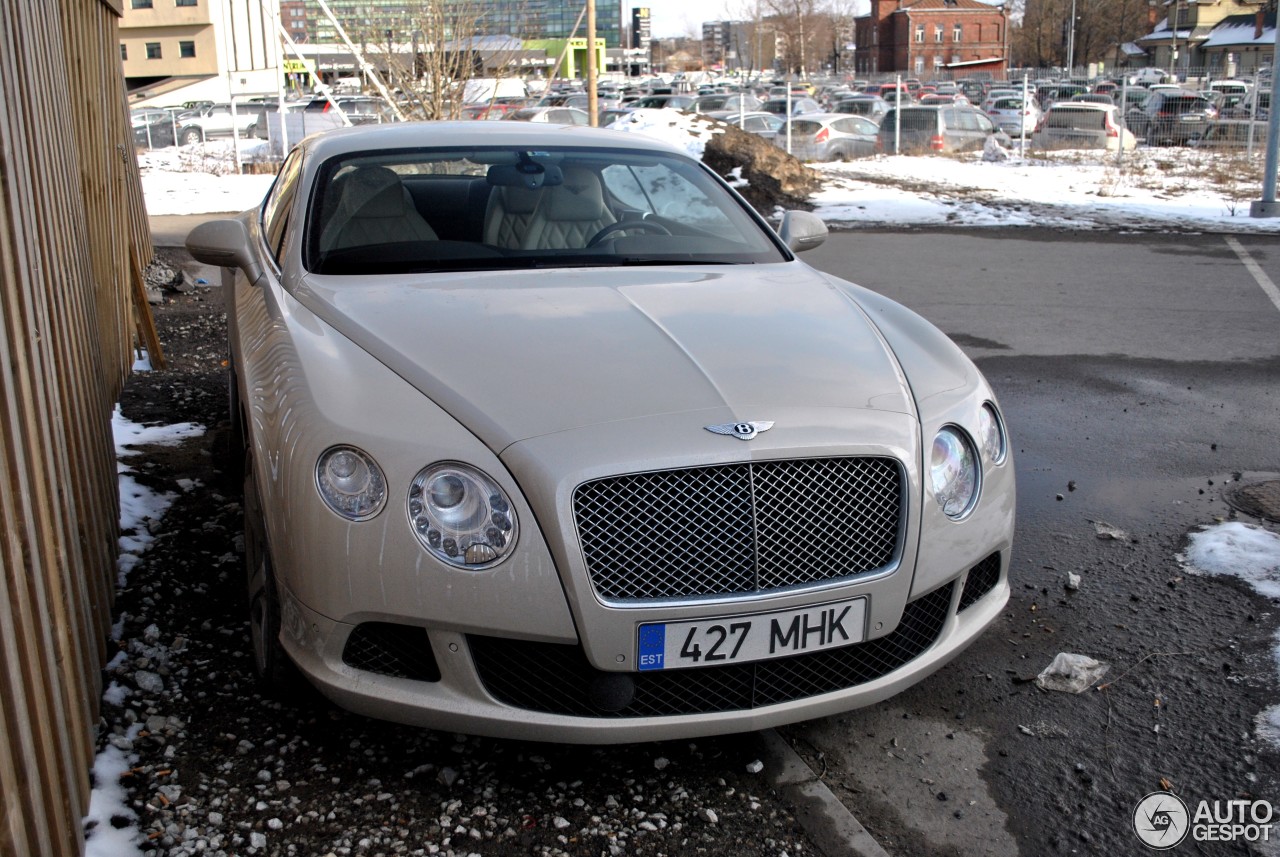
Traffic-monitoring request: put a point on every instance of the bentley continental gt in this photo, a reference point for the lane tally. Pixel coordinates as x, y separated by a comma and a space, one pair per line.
548, 435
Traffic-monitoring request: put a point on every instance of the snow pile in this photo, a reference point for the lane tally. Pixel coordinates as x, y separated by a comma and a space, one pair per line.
139, 507
1238, 550
687, 131
1252, 554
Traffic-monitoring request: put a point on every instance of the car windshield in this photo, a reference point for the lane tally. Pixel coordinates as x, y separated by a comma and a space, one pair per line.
434, 210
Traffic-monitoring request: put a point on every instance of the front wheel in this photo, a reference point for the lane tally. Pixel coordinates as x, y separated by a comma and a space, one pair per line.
275, 671
191, 136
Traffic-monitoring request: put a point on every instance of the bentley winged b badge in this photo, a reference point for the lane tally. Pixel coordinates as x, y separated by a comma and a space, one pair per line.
742, 431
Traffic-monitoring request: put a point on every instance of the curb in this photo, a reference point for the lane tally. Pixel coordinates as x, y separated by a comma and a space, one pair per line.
820, 813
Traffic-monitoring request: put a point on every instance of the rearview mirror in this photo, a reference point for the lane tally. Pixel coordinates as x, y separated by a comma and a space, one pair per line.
802, 230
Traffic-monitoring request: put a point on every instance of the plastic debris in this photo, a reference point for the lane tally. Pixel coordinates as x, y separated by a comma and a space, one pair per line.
1106, 531
1071, 673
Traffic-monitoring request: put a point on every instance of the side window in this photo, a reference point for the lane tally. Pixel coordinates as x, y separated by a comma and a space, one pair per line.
279, 201
984, 123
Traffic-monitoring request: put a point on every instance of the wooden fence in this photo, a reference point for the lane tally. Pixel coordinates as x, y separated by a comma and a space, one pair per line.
73, 240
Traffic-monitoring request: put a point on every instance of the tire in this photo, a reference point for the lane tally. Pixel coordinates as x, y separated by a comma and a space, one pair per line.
277, 676
190, 136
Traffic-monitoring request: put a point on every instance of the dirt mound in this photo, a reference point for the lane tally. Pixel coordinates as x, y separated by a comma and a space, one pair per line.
773, 178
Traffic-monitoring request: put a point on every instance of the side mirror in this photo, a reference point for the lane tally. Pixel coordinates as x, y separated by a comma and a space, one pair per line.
802, 230
225, 244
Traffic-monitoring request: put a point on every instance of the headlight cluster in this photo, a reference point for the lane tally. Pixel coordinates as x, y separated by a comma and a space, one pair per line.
350, 483
461, 516
458, 513
955, 470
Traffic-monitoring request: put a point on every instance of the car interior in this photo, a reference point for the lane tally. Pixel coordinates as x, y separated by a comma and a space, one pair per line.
519, 209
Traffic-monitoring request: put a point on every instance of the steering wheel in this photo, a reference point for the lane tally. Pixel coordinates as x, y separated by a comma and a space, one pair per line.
624, 225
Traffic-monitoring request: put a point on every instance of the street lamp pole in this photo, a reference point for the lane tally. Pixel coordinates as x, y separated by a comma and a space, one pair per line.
1071, 41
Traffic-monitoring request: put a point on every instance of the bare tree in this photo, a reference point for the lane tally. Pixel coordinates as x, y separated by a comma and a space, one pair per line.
1101, 27
440, 48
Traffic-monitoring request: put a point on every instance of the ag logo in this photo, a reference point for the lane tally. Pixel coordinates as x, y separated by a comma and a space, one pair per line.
1161, 820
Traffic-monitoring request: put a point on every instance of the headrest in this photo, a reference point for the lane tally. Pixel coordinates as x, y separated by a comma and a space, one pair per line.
579, 198
518, 200
373, 192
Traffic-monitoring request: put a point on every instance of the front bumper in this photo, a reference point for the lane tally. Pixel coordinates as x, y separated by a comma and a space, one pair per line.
540, 691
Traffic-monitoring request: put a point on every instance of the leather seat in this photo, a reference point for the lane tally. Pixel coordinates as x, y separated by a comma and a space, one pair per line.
570, 213
508, 215
373, 207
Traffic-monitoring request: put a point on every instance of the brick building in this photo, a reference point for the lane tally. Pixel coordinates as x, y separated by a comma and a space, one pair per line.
922, 38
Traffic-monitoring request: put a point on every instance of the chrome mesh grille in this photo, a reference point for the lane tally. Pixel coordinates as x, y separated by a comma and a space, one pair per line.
738, 528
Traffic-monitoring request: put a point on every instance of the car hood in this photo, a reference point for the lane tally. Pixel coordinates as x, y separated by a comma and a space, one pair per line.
520, 354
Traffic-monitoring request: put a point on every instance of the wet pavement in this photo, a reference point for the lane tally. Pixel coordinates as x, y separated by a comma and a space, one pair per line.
1125, 439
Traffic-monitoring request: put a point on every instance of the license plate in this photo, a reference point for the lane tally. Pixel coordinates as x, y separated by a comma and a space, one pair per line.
752, 637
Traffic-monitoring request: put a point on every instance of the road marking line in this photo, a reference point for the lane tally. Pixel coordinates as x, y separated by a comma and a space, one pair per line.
1254, 268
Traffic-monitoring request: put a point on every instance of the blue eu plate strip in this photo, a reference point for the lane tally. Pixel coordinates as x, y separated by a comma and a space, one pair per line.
653, 646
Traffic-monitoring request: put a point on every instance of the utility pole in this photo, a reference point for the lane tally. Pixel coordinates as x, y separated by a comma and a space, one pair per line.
1071, 41
593, 107
1267, 206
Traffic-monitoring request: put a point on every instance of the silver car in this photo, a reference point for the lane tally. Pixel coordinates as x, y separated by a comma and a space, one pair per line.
548, 435
829, 137
1014, 115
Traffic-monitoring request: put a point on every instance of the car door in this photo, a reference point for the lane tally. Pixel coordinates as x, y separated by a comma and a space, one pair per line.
860, 134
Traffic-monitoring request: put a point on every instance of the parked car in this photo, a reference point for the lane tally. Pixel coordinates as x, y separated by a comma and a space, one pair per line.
552, 437
766, 125
216, 120
1093, 98
667, 102
1014, 115
1082, 125
360, 109
799, 105
950, 128
554, 115
496, 110
1233, 134
724, 101
1049, 95
153, 128
1175, 116
871, 106
993, 95
829, 137
937, 98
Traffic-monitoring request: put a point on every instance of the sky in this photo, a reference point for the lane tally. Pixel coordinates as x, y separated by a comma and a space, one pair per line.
1159, 189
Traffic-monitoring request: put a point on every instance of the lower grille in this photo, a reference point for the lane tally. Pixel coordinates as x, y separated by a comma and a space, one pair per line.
983, 578
386, 648
557, 679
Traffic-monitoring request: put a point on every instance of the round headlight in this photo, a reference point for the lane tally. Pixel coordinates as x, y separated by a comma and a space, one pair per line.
991, 434
953, 471
350, 482
461, 516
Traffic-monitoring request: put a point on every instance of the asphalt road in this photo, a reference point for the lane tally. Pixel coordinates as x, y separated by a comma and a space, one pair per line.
1137, 374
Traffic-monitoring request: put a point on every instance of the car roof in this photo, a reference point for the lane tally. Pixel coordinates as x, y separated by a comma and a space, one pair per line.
1060, 106
463, 134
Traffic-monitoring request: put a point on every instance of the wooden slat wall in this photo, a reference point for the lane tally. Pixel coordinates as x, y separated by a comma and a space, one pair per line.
73, 231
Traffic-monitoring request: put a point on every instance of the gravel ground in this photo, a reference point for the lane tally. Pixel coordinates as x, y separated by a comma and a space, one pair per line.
219, 768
